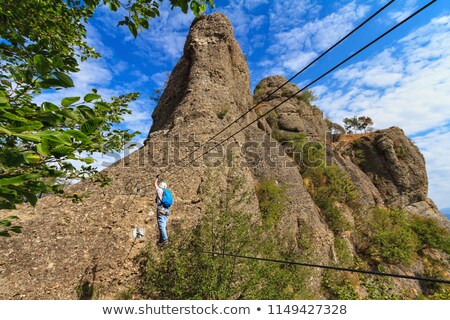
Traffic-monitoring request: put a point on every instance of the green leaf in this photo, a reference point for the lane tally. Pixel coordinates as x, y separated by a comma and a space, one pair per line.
183, 5
132, 28
4, 234
91, 96
16, 229
28, 137
48, 83
9, 195
32, 158
66, 81
11, 116
69, 114
30, 126
87, 112
63, 137
6, 83
44, 147
41, 63
5, 223
91, 125
143, 22
48, 106
4, 130
195, 8
61, 151
80, 136
31, 197
69, 100
202, 7
88, 160
57, 62
18, 180
12, 159
4, 100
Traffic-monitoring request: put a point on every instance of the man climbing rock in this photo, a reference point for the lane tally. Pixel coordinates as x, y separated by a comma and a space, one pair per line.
164, 200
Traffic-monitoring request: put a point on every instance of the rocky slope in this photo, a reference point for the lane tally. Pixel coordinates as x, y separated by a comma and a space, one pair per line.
70, 251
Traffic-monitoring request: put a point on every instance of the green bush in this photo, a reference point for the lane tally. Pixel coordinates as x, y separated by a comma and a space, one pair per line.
343, 253
401, 151
307, 154
222, 113
272, 201
329, 185
390, 237
379, 288
333, 215
307, 96
184, 271
297, 139
430, 234
339, 286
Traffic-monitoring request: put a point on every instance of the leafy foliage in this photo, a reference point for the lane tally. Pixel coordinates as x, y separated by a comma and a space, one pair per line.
389, 235
430, 234
222, 113
184, 272
356, 124
339, 286
328, 186
308, 96
272, 201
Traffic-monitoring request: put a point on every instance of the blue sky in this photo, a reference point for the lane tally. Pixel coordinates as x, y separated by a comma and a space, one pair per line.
404, 80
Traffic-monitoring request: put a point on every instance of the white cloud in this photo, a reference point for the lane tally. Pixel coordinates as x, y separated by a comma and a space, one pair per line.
406, 9
160, 78
246, 25
297, 46
435, 147
406, 85
299, 60
285, 14
94, 39
92, 73
252, 4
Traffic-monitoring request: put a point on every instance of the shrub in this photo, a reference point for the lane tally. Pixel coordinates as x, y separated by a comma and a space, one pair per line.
430, 234
379, 288
343, 253
307, 96
333, 215
328, 185
339, 286
390, 237
401, 151
272, 201
222, 113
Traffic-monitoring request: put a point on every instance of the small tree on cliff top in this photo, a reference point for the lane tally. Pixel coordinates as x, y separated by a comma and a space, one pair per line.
354, 124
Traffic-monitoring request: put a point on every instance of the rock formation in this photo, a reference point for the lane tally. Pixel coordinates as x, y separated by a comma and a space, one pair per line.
70, 251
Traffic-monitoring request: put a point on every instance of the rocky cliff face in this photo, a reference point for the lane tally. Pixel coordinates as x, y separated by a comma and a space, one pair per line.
70, 251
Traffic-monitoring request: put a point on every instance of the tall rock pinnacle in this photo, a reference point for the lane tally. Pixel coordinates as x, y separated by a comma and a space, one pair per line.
211, 77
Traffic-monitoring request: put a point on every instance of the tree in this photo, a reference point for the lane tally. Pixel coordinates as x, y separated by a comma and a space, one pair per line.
355, 124
40, 141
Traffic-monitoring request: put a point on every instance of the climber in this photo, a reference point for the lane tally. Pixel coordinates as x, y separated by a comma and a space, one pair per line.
164, 200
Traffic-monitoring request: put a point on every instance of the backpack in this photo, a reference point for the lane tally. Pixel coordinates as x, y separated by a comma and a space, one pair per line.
167, 198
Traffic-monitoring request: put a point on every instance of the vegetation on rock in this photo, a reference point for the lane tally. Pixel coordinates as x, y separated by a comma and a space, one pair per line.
185, 271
